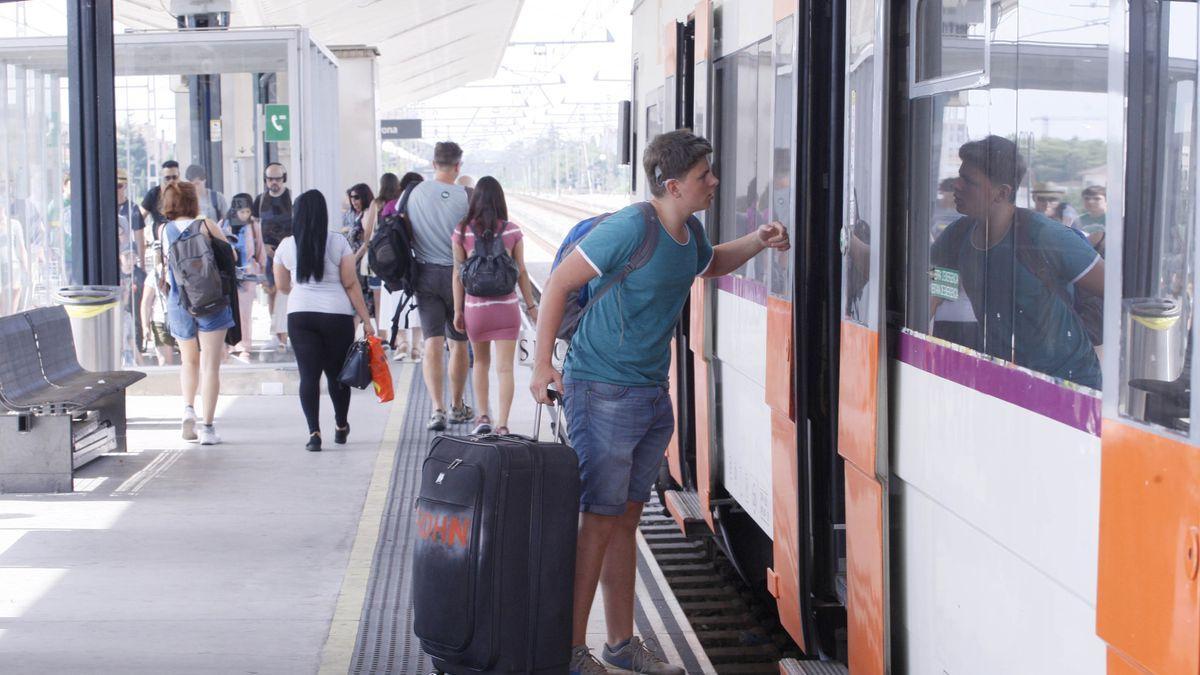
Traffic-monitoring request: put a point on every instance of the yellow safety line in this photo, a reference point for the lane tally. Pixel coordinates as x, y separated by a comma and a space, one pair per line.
338, 651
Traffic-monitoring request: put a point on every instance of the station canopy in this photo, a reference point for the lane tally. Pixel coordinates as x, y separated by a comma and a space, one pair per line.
426, 47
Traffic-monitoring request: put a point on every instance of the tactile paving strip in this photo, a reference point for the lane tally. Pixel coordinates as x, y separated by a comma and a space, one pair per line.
386, 643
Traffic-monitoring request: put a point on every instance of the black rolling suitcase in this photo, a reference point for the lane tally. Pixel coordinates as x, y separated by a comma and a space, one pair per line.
494, 561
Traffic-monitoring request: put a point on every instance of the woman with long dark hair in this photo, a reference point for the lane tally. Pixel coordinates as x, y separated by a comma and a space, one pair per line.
491, 319
389, 190
316, 268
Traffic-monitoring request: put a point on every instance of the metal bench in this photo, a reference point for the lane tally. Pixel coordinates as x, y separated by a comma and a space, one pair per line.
58, 415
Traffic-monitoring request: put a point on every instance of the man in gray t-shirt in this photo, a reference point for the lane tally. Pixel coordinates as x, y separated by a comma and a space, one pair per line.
435, 208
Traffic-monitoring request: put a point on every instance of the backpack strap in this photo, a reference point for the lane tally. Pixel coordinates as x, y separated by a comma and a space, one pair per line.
637, 260
1033, 258
402, 210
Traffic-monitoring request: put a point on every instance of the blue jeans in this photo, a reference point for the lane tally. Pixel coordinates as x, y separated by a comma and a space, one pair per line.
184, 326
620, 434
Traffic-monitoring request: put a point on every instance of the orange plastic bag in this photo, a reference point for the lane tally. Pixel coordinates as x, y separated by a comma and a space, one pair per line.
381, 375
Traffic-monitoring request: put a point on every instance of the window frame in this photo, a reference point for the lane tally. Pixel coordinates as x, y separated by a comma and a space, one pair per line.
954, 82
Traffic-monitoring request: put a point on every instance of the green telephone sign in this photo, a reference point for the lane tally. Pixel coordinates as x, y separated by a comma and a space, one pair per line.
278, 125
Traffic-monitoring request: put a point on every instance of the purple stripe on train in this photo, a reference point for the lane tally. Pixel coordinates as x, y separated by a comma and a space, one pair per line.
747, 289
1033, 392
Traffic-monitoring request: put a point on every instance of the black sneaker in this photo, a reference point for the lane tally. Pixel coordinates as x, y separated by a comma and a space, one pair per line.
340, 435
314, 443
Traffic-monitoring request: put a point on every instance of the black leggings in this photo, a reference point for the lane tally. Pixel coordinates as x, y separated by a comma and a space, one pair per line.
321, 341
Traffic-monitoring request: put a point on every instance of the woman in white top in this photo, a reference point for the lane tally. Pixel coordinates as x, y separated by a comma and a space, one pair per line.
316, 268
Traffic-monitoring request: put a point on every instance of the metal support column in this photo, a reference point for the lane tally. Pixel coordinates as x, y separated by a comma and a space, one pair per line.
93, 142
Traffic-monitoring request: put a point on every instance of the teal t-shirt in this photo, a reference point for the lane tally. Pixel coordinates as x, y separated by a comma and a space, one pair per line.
625, 338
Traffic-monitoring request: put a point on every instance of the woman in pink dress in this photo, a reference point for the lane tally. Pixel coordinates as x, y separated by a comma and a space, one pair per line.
492, 319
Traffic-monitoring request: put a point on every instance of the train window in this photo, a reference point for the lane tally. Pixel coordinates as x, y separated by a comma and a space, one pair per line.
781, 198
1158, 302
744, 83
1005, 234
951, 43
861, 150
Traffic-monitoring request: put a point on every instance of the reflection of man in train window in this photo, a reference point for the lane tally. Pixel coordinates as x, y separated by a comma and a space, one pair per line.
1048, 201
954, 319
944, 212
1093, 222
1022, 319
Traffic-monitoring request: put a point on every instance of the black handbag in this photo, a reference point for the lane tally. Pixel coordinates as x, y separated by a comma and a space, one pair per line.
356, 371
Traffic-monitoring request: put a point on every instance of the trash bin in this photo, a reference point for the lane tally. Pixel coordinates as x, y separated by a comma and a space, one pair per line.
1154, 347
95, 315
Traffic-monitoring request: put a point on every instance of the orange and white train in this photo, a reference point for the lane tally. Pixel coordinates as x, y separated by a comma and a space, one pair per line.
911, 504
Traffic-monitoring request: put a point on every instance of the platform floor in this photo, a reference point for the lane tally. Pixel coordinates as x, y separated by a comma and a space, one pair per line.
253, 556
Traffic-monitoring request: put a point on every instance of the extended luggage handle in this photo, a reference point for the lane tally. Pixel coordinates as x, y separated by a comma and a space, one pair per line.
556, 417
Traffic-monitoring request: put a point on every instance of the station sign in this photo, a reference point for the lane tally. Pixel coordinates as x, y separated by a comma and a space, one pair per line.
278, 127
395, 130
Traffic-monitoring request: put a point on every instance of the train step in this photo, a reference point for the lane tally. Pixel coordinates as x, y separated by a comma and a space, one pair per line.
684, 507
795, 667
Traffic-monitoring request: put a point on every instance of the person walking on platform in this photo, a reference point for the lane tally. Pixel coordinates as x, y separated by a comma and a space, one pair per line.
212, 203
389, 191
408, 340
615, 389
317, 268
435, 208
201, 339
493, 318
168, 174
273, 209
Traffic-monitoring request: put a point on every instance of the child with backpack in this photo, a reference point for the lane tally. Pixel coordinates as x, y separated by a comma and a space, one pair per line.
489, 265
238, 227
198, 309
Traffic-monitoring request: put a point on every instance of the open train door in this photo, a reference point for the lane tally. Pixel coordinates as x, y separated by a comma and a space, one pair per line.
862, 391
690, 454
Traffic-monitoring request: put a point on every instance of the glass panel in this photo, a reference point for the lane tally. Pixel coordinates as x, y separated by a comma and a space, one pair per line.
782, 191
35, 221
1002, 260
950, 38
856, 228
1157, 308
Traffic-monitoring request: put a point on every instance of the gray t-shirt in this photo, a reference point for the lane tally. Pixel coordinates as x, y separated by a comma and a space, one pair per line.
435, 209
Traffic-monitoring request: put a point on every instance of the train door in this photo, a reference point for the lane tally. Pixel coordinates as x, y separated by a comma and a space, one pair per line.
862, 412
1149, 551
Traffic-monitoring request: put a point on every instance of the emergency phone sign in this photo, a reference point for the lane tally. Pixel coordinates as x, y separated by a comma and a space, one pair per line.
278, 125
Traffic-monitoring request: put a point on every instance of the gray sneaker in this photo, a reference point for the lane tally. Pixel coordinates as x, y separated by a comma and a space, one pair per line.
461, 414
641, 657
188, 426
437, 421
583, 662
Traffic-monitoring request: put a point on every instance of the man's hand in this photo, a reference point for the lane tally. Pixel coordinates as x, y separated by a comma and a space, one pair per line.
774, 235
368, 329
544, 375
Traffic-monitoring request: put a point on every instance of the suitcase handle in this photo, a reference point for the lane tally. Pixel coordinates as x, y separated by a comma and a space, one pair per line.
556, 417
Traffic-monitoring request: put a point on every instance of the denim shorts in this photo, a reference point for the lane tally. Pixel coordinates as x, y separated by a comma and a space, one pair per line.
620, 434
184, 326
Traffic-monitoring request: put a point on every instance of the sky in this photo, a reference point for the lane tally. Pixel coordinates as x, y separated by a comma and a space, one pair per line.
573, 88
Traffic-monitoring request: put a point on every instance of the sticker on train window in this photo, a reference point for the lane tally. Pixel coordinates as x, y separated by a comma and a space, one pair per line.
944, 283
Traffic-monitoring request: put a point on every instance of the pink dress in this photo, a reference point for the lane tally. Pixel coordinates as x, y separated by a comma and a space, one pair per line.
497, 318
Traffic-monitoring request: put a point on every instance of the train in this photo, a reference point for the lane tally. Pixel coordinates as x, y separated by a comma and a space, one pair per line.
894, 448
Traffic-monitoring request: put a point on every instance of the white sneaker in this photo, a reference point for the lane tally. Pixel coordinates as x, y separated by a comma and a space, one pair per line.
208, 435
188, 427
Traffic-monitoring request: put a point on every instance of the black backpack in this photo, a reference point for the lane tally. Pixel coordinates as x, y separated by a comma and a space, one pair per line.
389, 253
194, 266
491, 272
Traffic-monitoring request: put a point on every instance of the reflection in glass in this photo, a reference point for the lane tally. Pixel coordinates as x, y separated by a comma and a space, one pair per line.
781, 198
950, 38
856, 227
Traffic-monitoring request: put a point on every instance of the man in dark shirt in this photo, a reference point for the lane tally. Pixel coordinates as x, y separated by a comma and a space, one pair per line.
149, 207
1023, 316
131, 243
273, 209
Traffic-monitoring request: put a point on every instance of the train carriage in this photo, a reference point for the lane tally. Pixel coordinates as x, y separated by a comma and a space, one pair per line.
937, 466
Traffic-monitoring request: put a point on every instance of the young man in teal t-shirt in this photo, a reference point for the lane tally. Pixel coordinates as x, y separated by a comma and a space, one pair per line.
615, 388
